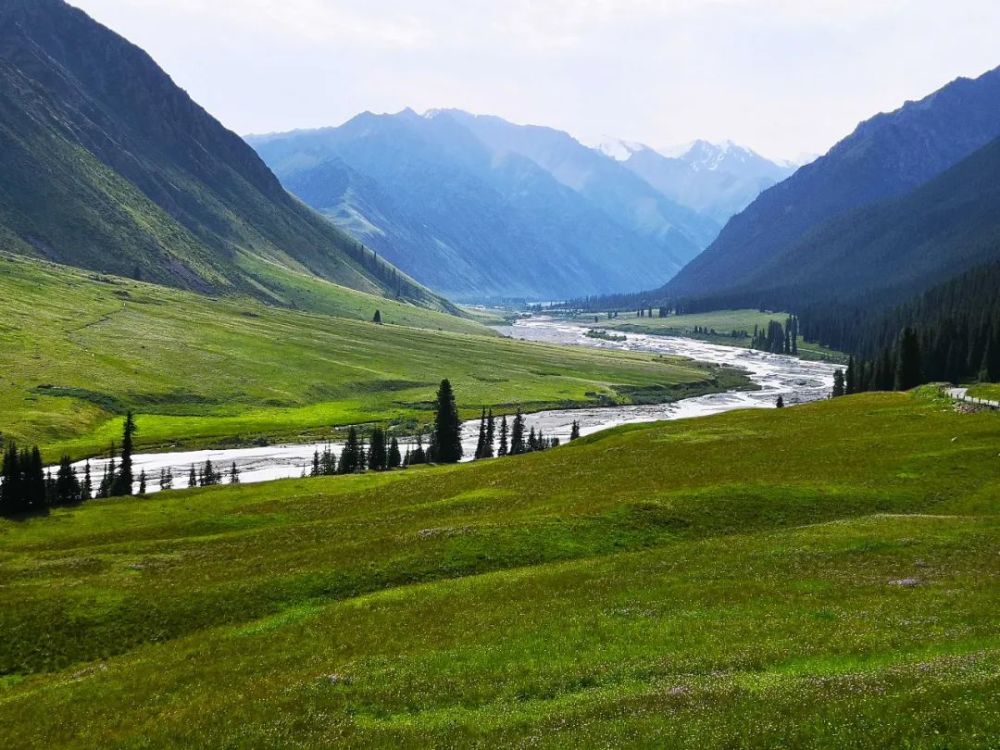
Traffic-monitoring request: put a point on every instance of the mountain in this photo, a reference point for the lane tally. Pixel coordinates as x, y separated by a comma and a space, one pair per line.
894, 249
714, 180
107, 165
476, 207
886, 157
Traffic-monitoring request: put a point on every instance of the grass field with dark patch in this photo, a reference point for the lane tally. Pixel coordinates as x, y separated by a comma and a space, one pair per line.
820, 576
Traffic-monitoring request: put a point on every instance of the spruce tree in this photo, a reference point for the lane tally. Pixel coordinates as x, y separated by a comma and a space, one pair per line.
315, 464
780, 404
234, 474
377, 319
838, 383
517, 445
142, 482
192, 478
488, 450
395, 459
908, 363
447, 439
87, 488
121, 483
851, 378
481, 444
503, 449
574, 433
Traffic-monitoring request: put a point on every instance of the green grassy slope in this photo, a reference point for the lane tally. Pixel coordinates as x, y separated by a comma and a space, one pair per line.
106, 164
78, 349
654, 586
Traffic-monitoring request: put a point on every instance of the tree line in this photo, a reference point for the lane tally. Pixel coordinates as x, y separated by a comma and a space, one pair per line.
26, 486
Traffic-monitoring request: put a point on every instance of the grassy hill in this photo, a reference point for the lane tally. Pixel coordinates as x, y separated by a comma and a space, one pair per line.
80, 348
106, 164
651, 586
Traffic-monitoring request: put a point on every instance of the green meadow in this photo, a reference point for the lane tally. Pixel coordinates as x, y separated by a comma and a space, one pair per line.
724, 322
823, 576
78, 349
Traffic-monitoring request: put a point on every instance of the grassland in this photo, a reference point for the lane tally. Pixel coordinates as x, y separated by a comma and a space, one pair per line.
989, 391
723, 322
78, 349
824, 576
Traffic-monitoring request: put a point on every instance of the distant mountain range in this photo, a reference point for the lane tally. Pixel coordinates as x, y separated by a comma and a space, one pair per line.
477, 207
107, 165
715, 180
907, 200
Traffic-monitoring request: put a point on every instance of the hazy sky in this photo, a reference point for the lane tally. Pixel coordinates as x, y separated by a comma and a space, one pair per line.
786, 77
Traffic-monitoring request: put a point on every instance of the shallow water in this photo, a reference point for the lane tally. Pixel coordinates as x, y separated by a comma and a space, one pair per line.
796, 380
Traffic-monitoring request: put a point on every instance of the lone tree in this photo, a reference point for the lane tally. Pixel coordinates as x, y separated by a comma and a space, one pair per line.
574, 433
447, 439
377, 320
781, 402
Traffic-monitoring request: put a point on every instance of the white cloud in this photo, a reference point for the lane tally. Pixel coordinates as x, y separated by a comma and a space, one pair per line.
784, 76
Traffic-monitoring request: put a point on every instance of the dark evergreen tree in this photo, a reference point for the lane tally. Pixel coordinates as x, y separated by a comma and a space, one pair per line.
503, 449
780, 402
378, 455
908, 365
851, 377
87, 487
349, 458
395, 459
192, 478
838, 383
481, 444
574, 433
488, 450
419, 455
377, 319
447, 438
316, 471
121, 483
142, 482
517, 445
68, 490
234, 474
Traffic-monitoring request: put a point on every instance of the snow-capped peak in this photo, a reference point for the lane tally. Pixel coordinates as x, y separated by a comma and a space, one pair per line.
618, 149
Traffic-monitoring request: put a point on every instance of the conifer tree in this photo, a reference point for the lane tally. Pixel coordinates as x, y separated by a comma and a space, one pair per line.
851, 378
234, 474
419, 455
142, 482
377, 319
781, 402
481, 444
87, 487
192, 478
395, 459
517, 446
488, 451
908, 364
315, 464
532, 441
447, 438
378, 456
121, 483
574, 433
503, 449
838, 383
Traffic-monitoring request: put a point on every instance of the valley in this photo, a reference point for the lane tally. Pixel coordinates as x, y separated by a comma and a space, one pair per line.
437, 428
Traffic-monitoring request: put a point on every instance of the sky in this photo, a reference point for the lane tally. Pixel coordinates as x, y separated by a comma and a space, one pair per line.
785, 77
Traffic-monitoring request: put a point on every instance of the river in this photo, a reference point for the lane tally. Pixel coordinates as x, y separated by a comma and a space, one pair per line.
795, 380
